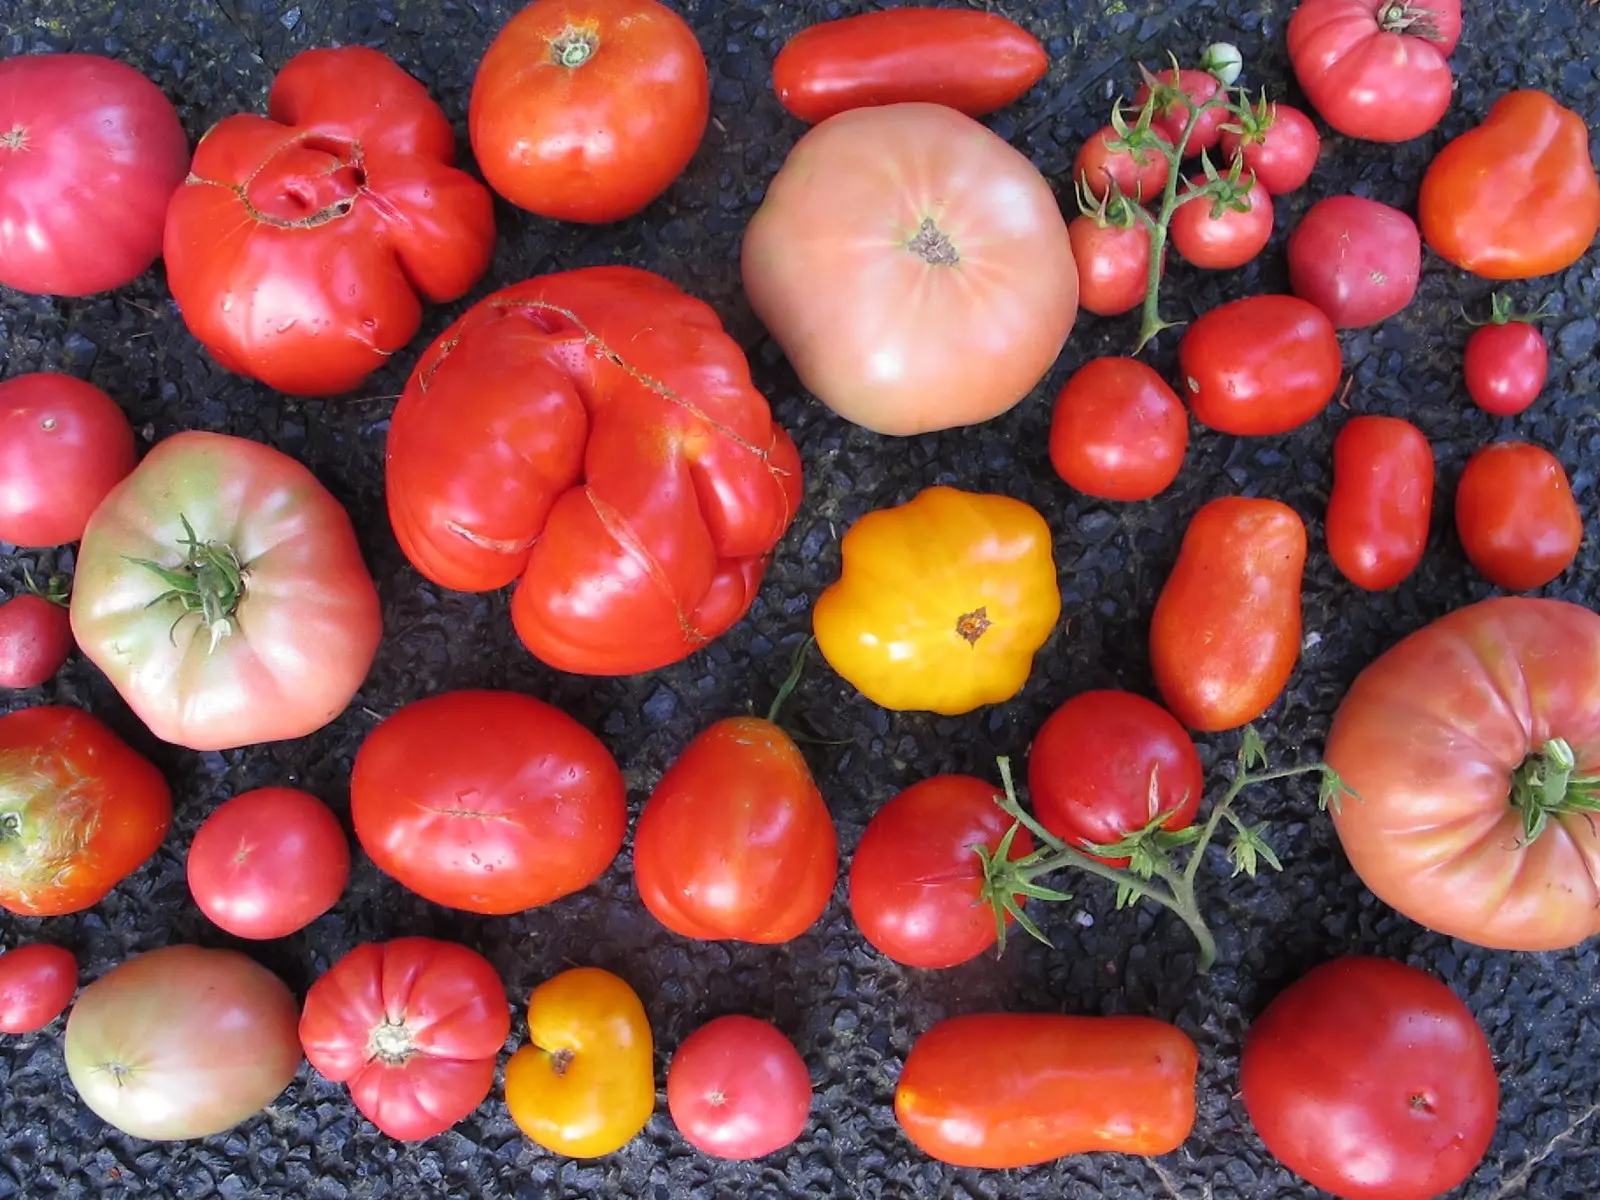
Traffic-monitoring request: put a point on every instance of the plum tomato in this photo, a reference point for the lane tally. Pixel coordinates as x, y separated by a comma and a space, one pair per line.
1224, 232
1279, 145
1357, 260
36, 985
1382, 501
1118, 431
1507, 362
1516, 516
738, 1089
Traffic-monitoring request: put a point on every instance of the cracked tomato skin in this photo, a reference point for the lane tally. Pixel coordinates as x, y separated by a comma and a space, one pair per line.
414, 1027
304, 242
593, 435
79, 810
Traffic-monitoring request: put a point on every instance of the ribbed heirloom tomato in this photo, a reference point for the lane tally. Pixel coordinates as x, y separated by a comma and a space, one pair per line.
1382, 501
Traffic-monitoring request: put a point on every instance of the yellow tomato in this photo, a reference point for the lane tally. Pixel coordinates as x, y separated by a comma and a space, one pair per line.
584, 1084
942, 602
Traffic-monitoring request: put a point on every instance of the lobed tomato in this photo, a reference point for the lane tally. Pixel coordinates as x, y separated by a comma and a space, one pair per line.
1506, 364
1113, 264
1178, 93
1262, 365
1382, 501
1357, 260
35, 639
1516, 516
1223, 233
738, 1089
1139, 169
1279, 145
36, 985
1118, 432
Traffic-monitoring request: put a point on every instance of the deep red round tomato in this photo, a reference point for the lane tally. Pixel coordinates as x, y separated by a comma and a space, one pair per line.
36, 985
1382, 501
1261, 365
1516, 516
1280, 148
738, 1089
1357, 260
1108, 763
1506, 364
35, 639
1371, 1080
90, 153
1113, 264
1178, 90
1140, 171
1118, 431
1219, 235
268, 862
916, 885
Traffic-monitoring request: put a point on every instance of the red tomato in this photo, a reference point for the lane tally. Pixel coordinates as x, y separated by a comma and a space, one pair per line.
1118, 431
1108, 763
487, 801
1516, 516
1506, 365
35, 639
1176, 92
1219, 235
586, 110
972, 61
1140, 170
64, 444
1357, 260
36, 985
916, 885
736, 841
595, 435
1279, 145
268, 862
90, 153
1376, 69
738, 1089
1371, 1080
414, 1026
1113, 265
1382, 501
1262, 365
304, 242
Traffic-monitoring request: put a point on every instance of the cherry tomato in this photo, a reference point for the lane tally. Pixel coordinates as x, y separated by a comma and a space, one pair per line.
1279, 145
916, 885
1516, 516
1507, 363
35, 639
738, 1089
1139, 170
1220, 235
1113, 264
1176, 92
1118, 431
1262, 365
36, 985
1371, 1080
1382, 501
1357, 260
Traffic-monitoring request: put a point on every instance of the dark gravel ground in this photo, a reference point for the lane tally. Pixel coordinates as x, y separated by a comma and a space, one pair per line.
852, 1014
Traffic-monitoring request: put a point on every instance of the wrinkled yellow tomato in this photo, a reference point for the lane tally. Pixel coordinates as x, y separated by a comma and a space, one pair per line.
942, 602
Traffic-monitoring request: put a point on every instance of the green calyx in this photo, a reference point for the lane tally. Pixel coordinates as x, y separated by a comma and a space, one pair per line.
208, 584
1547, 784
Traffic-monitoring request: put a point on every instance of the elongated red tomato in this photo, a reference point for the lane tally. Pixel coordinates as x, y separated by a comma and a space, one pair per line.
1261, 365
1382, 501
1516, 516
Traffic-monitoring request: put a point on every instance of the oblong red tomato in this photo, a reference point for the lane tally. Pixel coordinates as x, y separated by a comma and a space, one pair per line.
1516, 516
999, 1091
1118, 431
1382, 501
972, 61
64, 444
1357, 260
1261, 365
1226, 632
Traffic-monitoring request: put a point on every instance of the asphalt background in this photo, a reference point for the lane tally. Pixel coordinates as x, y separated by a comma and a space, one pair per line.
852, 1014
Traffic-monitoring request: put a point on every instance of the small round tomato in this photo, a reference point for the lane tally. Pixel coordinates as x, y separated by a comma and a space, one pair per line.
1262, 365
268, 862
1223, 233
1279, 145
36, 985
1357, 260
916, 884
1139, 166
35, 639
1113, 264
1516, 516
1382, 501
1371, 1080
1118, 431
1507, 362
738, 1089
1176, 91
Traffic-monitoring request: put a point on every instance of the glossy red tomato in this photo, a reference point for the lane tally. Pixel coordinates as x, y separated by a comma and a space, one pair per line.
1113, 265
738, 1089
1357, 260
268, 862
1177, 93
1139, 169
35, 639
1118, 431
1516, 516
90, 153
1382, 501
36, 985
1371, 1080
1261, 365
1279, 144
1223, 234
586, 110
1506, 365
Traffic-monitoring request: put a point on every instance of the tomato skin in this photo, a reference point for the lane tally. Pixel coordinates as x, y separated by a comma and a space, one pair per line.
738, 1089
35, 639
1226, 632
915, 882
1372, 1080
1226, 240
1118, 432
1113, 265
1382, 501
1506, 367
1172, 117
36, 985
999, 1091
1516, 516
1139, 174
491, 802
1282, 154
1262, 365
1357, 260
974, 62
598, 141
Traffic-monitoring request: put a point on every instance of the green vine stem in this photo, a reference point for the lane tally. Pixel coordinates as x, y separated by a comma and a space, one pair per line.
797, 668
1503, 311
1547, 785
208, 584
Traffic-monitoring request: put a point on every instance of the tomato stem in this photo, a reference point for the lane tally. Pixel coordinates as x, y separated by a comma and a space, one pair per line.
1547, 784
209, 584
797, 667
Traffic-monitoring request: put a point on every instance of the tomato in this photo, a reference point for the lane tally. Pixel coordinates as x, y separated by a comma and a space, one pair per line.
490, 802
584, 1084
1279, 145
1223, 233
1138, 165
1108, 763
738, 1089
586, 110
1118, 431
36, 985
998, 1091
1113, 264
90, 153
35, 639
1262, 365
1506, 364
1226, 632
1376, 69
182, 1042
1516, 516
221, 590
79, 811
1177, 94
303, 243
916, 884
1357, 260
595, 436
736, 842
942, 602
974, 62
268, 862
1371, 1080
1471, 820
914, 267
414, 1027
1516, 197
1382, 501
63, 445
